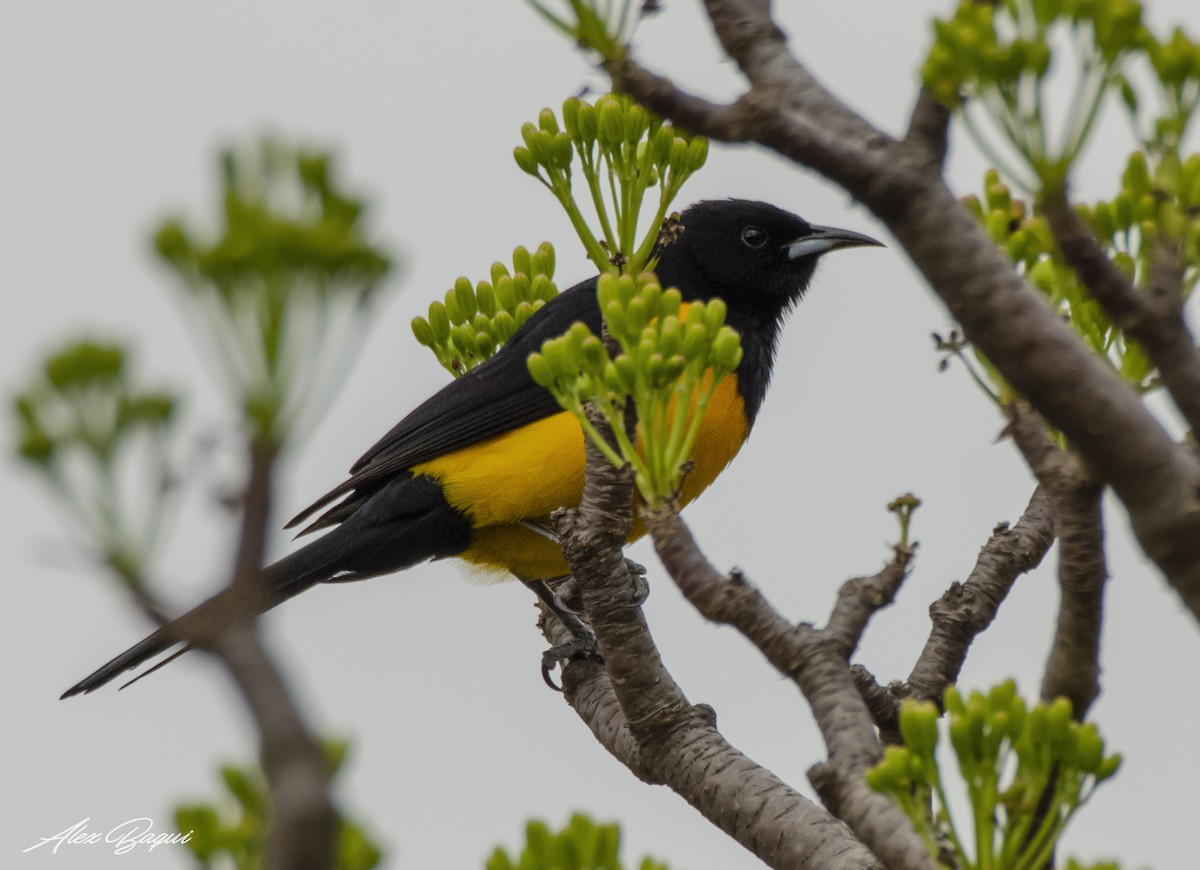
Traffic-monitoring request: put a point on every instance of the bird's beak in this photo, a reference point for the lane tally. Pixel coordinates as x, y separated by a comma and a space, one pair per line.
822, 240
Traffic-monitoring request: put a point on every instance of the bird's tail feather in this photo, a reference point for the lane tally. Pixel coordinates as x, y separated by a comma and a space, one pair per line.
275, 584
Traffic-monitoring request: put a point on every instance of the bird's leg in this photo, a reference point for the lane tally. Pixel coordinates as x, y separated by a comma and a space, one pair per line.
566, 596
582, 643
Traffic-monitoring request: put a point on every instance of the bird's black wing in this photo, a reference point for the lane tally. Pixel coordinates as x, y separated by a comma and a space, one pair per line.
491, 399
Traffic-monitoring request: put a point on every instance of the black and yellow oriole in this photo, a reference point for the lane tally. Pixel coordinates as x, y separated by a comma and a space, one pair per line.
473, 471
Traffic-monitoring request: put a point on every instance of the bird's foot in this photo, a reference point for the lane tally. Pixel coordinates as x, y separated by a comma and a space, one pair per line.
581, 646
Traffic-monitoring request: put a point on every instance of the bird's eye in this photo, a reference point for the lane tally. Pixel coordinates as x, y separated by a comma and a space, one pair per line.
753, 237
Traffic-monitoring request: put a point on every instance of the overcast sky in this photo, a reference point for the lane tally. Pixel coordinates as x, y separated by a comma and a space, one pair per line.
110, 115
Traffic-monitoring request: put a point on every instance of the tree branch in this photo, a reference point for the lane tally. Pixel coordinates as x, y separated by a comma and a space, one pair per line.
1073, 667
677, 743
1156, 479
304, 820
968, 608
817, 660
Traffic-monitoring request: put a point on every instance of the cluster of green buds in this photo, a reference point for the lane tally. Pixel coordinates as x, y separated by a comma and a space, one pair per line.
622, 151
233, 831
1159, 203
285, 287
1127, 227
80, 423
582, 845
1026, 772
993, 60
670, 363
1176, 65
475, 320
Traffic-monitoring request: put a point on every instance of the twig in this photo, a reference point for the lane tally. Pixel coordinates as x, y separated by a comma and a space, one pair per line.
967, 609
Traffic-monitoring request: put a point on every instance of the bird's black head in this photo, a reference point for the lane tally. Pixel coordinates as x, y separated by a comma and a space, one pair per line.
757, 257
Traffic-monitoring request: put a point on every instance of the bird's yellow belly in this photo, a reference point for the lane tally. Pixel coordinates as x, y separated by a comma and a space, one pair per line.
527, 474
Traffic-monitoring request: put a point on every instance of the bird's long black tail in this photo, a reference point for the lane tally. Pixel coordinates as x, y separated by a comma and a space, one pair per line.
275, 584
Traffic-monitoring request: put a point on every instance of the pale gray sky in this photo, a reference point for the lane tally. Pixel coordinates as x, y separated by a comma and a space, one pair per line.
109, 117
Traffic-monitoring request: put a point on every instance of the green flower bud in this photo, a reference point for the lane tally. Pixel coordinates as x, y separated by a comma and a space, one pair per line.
697, 153
637, 120
540, 143
588, 122
1123, 210
1002, 695
614, 316
679, 155
562, 151
651, 293
547, 121
522, 261
542, 289
695, 339
498, 271
1137, 175
540, 370
570, 115
485, 295
656, 370
1108, 768
171, 242
543, 260
714, 315
998, 198
919, 726
660, 146
463, 336
670, 303
464, 295
525, 160
952, 699
530, 136
607, 291
1017, 246
522, 312
595, 357
37, 447
997, 226
503, 326
635, 315
626, 289
611, 123
1104, 221
439, 321
423, 331
1088, 749
727, 349
961, 740
505, 293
